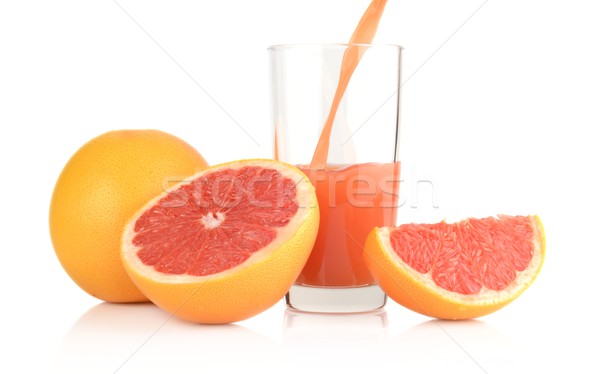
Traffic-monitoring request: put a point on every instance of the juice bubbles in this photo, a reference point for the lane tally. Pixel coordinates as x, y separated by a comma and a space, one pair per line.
352, 200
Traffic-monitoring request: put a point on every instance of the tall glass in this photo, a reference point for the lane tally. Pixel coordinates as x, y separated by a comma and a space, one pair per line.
358, 186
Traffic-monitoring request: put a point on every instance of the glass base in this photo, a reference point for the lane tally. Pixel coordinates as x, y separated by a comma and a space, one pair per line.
335, 299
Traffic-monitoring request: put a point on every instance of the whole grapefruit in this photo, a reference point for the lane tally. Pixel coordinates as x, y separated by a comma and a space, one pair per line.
103, 184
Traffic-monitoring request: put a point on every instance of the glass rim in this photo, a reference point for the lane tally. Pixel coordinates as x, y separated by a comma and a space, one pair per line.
280, 47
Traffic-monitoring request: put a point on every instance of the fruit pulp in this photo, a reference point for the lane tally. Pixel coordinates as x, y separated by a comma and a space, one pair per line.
352, 200
469, 255
229, 215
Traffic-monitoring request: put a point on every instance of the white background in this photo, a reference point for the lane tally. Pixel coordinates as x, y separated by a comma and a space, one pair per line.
502, 118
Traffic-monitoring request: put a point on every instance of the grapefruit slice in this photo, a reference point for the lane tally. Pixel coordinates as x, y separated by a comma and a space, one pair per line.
226, 244
457, 271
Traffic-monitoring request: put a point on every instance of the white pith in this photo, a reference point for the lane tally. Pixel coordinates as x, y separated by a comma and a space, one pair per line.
306, 202
485, 296
212, 220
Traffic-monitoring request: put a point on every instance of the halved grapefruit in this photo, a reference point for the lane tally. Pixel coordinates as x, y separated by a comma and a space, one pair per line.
226, 244
457, 271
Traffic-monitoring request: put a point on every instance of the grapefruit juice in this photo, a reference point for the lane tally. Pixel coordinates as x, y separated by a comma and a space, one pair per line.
352, 200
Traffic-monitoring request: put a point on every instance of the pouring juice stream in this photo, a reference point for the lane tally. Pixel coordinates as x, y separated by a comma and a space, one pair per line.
347, 214
363, 34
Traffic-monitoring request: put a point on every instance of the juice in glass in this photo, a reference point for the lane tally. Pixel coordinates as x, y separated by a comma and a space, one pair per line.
352, 200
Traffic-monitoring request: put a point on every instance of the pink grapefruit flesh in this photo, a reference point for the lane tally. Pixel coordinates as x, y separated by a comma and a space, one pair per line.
464, 257
233, 214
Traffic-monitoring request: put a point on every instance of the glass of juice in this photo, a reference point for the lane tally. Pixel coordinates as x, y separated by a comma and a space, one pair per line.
335, 109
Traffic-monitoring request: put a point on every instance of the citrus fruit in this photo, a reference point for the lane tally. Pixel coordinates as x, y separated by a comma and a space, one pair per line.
225, 245
457, 271
103, 184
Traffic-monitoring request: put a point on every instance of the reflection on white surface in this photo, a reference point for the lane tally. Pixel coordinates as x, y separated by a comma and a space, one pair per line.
136, 337
470, 346
329, 342
363, 342
346, 323
131, 338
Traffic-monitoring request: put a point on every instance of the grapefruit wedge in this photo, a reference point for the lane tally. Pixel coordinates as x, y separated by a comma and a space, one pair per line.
457, 271
226, 244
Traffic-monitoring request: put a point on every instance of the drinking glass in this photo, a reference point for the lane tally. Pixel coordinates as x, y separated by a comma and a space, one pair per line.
357, 188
